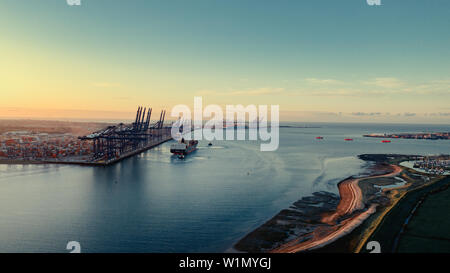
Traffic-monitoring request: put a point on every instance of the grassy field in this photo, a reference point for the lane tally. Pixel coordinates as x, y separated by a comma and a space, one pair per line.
429, 228
410, 241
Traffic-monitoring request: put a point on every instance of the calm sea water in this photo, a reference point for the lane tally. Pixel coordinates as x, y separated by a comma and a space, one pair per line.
156, 203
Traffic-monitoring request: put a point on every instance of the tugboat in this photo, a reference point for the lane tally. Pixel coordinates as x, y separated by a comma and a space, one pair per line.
183, 148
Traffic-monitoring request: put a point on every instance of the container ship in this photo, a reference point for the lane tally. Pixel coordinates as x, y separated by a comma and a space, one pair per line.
183, 148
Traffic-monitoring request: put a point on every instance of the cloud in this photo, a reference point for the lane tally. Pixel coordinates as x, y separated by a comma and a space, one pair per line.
377, 87
337, 92
257, 92
397, 86
436, 87
386, 82
323, 87
319, 116
245, 92
323, 81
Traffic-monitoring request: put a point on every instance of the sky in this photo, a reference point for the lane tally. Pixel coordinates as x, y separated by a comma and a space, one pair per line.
319, 60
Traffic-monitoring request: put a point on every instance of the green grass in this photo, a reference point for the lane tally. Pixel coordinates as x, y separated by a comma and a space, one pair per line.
433, 219
429, 229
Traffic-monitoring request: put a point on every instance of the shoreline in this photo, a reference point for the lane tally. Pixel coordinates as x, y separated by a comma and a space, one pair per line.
363, 204
349, 206
83, 163
391, 227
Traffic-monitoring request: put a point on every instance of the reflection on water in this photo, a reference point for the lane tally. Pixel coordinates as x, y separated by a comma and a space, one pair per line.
154, 202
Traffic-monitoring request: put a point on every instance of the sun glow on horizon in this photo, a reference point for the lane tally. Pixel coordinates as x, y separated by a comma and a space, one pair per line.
101, 61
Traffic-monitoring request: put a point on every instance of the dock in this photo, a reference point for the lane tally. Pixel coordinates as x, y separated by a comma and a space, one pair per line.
429, 136
100, 148
121, 141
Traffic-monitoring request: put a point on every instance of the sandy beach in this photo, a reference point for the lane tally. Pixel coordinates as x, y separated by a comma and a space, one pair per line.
351, 202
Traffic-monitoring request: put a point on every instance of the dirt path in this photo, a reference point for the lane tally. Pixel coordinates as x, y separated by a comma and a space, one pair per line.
351, 201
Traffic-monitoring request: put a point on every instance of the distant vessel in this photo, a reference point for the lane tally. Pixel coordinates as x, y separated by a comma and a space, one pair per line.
319, 137
385, 141
348, 139
183, 148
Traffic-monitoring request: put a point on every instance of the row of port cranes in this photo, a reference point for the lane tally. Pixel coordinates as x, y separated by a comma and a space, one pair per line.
118, 141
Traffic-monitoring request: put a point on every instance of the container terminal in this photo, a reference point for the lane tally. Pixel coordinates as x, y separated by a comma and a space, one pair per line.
102, 147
